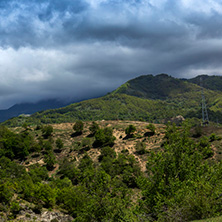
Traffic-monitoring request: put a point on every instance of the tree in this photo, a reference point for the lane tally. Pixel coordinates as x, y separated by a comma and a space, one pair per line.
59, 144
93, 128
152, 129
107, 152
175, 174
130, 130
50, 160
104, 137
78, 127
47, 131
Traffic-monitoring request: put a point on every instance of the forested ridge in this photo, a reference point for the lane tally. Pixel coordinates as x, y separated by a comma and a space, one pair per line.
111, 171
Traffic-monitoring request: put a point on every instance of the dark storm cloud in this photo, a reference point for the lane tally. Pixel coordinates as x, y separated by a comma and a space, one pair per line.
84, 48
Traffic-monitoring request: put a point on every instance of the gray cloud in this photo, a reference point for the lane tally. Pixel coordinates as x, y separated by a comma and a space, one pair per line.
83, 48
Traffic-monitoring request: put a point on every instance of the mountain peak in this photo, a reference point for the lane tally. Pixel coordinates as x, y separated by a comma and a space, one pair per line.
149, 86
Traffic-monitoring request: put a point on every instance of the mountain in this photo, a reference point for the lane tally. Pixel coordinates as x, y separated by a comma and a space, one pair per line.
148, 97
30, 108
161, 87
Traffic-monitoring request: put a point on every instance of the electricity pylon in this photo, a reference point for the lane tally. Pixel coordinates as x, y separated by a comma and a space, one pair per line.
205, 117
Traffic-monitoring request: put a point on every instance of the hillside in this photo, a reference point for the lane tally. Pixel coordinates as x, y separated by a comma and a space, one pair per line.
53, 173
161, 86
149, 98
117, 168
208, 82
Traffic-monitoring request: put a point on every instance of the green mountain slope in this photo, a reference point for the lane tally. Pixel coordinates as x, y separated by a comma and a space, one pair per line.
155, 87
150, 98
208, 82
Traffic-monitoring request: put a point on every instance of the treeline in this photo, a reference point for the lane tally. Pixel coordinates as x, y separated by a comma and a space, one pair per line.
182, 181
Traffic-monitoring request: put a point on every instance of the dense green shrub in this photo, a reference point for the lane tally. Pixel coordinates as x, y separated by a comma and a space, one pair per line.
107, 152
14, 145
44, 194
47, 145
104, 137
38, 173
50, 160
130, 130
85, 163
175, 176
69, 170
93, 128
47, 131
197, 131
59, 144
152, 129
5, 193
140, 148
78, 127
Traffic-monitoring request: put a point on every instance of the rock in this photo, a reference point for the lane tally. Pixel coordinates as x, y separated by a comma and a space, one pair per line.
177, 120
45, 216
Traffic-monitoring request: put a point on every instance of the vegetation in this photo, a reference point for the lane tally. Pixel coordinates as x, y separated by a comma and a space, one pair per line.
140, 148
104, 137
182, 182
130, 130
78, 127
163, 173
47, 131
59, 144
94, 128
152, 129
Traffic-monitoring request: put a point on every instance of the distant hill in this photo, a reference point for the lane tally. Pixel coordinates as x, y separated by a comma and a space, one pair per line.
208, 82
150, 98
30, 108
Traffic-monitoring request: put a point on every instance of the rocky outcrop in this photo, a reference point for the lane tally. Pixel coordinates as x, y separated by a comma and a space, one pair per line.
177, 120
45, 216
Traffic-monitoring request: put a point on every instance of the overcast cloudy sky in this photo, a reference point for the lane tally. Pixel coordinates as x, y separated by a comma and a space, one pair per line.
84, 48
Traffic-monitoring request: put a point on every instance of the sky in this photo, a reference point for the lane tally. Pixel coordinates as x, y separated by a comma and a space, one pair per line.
78, 49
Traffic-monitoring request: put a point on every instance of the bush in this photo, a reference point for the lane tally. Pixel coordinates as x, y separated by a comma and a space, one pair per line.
45, 195
15, 208
50, 160
38, 173
214, 137
107, 152
140, 148
68, 170
104, 137
152, 128
85, 163
93, 128
197, 131
5, 194
47, 146
47, 131
38, 127
59, 144
78, 127
130, 130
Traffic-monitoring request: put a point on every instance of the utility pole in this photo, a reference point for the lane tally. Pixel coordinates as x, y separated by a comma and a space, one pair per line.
205, 117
